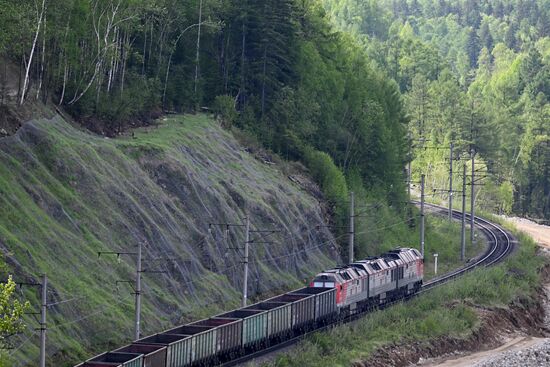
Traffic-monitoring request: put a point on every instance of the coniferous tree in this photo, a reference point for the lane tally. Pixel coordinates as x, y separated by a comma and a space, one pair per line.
472, 13
510, 36
499, 9
485, 36
473, 47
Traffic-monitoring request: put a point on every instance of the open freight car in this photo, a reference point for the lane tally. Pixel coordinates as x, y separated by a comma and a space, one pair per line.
254, 327
153, 355
178, 348
114, 359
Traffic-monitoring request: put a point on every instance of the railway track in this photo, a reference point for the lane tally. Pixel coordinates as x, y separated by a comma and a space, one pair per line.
501, 243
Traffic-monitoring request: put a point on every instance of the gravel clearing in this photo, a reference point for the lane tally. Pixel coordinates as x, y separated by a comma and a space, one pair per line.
536, 355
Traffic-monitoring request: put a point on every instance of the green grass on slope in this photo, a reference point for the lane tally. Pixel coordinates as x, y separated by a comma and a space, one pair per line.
66, 194
445, 311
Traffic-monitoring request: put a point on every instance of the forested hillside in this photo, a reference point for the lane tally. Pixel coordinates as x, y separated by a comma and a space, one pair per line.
473, 72
276, 74
275, 69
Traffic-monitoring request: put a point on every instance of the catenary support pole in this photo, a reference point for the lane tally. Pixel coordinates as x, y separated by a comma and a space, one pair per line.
138, 293
43, 327
351, 226
451, 183
463, 233
422, 215
472, 199
245, 280
409, 166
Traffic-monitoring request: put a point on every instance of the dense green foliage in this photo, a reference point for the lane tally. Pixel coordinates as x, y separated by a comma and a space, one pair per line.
476, 73
11, 315
276, 69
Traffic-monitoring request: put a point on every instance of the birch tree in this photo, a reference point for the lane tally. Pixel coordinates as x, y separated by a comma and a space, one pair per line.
40, 14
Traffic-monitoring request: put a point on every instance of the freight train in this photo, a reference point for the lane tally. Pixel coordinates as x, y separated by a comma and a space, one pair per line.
331, 296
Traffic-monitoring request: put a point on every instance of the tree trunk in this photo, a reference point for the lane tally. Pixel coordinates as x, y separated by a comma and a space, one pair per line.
150, 45
241, 89
166, 81
197, 60
43, 54
65, 74
144, 49
112, 64
170, 62
125, 48
263, 80
33, 48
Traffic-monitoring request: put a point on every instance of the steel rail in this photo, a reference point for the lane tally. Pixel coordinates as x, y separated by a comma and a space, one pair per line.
502, 245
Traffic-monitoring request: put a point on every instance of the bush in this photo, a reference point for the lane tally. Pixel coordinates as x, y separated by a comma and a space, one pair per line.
330, 178
224, 108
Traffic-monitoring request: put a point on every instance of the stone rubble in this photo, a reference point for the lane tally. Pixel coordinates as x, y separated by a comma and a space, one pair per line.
534, 356
537, 355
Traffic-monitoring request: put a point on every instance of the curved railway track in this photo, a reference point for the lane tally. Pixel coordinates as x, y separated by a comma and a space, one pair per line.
501, 243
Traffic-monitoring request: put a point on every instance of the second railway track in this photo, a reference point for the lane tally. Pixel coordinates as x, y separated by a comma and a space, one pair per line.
501, 243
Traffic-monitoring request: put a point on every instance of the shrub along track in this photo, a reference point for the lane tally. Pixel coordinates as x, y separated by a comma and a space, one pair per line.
501, 244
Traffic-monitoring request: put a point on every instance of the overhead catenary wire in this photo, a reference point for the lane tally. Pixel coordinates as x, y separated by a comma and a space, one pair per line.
295, 252
23, 343
70, 300
224, 272
300, 251
227, 269
117, 303
96, 312
307, 233
125, 299
386, 227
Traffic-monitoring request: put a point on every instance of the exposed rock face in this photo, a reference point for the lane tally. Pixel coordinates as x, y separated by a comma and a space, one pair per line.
65, 195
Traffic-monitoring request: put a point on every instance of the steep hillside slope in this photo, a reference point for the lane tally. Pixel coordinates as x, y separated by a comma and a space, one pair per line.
65, 195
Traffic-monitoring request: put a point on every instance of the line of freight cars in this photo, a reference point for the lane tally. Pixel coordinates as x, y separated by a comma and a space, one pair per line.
332, 294
226, 336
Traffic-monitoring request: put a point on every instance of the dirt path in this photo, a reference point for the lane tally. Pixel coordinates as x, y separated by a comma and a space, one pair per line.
517, 344
540, 233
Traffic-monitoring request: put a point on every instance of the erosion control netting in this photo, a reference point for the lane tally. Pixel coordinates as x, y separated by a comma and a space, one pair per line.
66, 194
